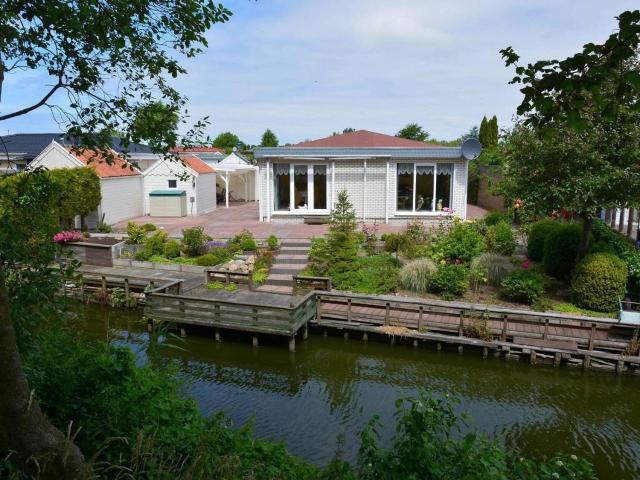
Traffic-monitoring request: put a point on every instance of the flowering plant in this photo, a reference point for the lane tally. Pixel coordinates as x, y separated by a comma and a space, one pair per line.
68, 236
216, 243
370, 237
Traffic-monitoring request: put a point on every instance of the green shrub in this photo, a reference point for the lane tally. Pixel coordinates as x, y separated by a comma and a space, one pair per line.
450, 280
142, 255
172, 249
223, 254
500, 239
231, 287
272, 242
599, 282
462, 242
537, 235
523, 285
149, 227
415, 275
194, 241
491, 267
374, 274
561, 249
248, 245
135, 234
259, 276
154, 244
620, 246
207, 260
215, 286
494, 218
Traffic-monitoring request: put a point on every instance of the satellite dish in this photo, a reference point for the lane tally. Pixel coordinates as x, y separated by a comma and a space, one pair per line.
471, 148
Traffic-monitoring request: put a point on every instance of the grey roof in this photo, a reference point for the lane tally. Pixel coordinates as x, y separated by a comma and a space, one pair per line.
31, 144
430, 152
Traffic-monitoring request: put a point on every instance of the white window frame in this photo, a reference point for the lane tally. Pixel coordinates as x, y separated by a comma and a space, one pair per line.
433, 211
310, 189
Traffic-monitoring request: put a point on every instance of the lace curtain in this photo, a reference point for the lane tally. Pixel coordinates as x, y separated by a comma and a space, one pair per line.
445, 169
280, 169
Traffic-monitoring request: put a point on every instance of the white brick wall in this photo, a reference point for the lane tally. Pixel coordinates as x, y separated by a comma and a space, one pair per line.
349, 175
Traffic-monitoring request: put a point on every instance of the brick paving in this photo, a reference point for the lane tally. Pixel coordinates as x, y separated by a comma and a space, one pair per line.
226, 222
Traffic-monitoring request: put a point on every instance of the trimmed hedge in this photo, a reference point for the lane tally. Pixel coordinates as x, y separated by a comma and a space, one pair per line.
537, 236
561, 249
600, 281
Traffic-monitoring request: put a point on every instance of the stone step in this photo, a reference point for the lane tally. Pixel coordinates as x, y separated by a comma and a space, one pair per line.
295, 243
291, 268
292, 251
280, 279
275, 289
290, 258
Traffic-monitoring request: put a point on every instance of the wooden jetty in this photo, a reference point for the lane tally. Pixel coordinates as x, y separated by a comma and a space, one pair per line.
537, 337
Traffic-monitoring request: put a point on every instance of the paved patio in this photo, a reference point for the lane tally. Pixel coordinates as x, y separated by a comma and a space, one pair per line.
226, 222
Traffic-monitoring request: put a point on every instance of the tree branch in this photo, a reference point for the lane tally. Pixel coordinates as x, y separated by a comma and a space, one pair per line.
35, 105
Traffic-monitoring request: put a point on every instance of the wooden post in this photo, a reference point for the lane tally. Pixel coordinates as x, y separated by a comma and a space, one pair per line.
319, 309
217, 336
619, 366
104, 285
546, 329
461, 324
365, 337
485, 352
415, 343
420, 317
255, 340
632, 214
346, 335
460, 349
255, 315
348, 310
329, 285
438, 346
386, 313
392, 339
150, 325
206, 277
503, 335
292, 343
305, 331
592, 336
82, 288
126, 290
586, 362
532, 357
183, 332
557, 359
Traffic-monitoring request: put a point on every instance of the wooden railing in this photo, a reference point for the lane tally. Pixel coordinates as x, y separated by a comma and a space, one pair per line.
236, 315
457, 318
309, 282
213, 275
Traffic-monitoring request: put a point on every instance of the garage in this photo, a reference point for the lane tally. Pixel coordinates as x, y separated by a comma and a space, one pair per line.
168, 203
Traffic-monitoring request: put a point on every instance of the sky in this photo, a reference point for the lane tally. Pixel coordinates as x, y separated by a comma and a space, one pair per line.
305, 68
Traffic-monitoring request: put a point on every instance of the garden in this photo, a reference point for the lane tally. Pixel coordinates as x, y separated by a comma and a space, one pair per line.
488, 260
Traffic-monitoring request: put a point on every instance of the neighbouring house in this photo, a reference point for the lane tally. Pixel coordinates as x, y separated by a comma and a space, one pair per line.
208, 154
179, 187
388, 179
120, 183
236, 179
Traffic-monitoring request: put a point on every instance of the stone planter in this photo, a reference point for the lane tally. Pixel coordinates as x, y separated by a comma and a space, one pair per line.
96, 251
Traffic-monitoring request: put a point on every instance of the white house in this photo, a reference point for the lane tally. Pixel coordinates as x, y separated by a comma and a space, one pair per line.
120, 183
236, 178
189, 175
388, 179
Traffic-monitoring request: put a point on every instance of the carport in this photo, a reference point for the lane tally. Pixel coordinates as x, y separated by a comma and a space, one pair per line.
237, 173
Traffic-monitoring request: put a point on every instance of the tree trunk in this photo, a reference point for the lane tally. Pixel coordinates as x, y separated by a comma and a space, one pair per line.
583, 246
38, 446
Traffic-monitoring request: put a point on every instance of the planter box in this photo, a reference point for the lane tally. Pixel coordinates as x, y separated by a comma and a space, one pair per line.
100, 252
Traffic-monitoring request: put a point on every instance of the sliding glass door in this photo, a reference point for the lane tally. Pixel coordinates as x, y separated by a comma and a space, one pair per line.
300, 187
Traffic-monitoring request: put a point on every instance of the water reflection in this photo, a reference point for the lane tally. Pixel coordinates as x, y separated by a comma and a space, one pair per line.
324, 394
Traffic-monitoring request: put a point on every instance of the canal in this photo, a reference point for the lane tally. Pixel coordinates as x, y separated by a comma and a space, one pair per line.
318, 400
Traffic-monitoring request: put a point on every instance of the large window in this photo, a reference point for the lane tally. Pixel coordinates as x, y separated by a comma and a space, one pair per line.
300, 187
423, 188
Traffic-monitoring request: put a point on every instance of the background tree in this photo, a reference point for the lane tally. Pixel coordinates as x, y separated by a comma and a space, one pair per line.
488, 134
269, 139
227, 141
474, 132
111, 74
79, 193
413, 131
589, 105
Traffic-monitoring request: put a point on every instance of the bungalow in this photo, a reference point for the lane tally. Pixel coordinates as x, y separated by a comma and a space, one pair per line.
178, 188
120, 183
388, 179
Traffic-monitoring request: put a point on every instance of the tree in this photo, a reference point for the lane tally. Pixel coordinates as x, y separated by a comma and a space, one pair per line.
269, 139
227, 141
589, 104
413, 131
488, 134
474, 132
113, 61
79, 192
483, 134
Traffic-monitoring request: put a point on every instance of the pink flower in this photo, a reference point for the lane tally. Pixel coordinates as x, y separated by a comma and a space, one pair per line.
67, 236
525, 264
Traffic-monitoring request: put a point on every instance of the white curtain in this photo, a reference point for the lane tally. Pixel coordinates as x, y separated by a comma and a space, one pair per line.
299, 169
405, 169
424, 170
320, 170
445, 169
280, 169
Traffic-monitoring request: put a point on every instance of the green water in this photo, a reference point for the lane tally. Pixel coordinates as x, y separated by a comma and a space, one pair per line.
318, 400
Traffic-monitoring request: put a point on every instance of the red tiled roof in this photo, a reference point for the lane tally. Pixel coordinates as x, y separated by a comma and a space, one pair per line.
197, 150
196, 164
97, 160
365, 139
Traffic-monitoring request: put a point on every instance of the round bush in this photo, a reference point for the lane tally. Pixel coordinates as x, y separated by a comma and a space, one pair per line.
463, 242
207, 260
560, 250
493, 218
172, 249
500, 239
537, 236
599, 282
415, 275
524, 286
149, 227
450, 280
492, 267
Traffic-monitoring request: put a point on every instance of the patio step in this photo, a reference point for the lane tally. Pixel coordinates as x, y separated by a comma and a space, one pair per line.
291, 268
291, 258
280, 279
296, 243
275, 289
